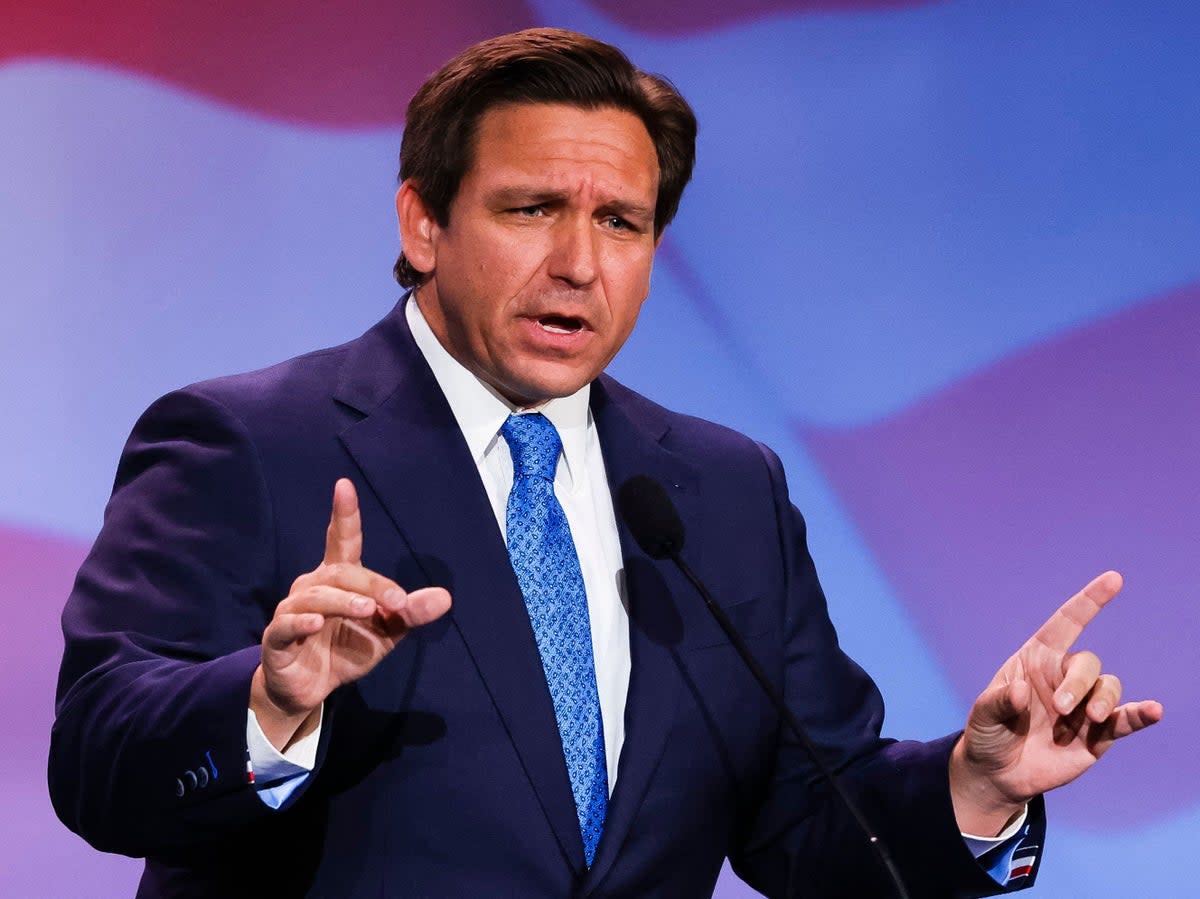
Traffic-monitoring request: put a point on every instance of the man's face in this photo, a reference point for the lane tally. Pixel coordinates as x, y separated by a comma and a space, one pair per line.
539, 276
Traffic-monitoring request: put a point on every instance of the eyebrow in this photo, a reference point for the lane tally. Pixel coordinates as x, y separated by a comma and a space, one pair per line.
524, 196
633, 211
531, 196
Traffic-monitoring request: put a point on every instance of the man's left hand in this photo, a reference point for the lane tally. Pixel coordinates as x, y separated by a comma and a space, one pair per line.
1046, 717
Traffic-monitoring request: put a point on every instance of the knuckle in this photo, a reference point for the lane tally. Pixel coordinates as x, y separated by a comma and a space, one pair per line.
300, 600
1081, 660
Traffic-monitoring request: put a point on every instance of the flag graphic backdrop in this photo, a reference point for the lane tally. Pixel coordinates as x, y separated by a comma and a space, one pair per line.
941, 255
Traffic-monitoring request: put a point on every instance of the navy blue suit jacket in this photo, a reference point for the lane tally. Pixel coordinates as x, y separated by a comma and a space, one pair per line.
441, 772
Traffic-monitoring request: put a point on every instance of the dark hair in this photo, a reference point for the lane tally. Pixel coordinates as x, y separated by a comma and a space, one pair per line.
539, 65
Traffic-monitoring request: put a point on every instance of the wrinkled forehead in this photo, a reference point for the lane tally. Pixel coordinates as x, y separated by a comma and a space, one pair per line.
561, 142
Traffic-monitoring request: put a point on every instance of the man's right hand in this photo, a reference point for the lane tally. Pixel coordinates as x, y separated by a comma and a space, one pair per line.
335, 625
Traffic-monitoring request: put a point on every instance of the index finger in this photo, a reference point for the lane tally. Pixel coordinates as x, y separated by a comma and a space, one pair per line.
343, 539
1064, 627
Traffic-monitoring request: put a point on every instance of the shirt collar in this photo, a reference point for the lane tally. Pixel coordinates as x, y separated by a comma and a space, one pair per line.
480, 410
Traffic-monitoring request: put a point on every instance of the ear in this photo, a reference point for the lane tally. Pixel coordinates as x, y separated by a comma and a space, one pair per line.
418, 228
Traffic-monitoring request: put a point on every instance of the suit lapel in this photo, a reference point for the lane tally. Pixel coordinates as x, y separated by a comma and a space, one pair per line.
414, 458
416, 461
631, 433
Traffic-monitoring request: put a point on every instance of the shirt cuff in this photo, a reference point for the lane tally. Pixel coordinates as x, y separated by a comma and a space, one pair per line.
1011, 859
980, 845
277, 775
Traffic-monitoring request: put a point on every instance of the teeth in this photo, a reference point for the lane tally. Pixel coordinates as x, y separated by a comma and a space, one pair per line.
557, 329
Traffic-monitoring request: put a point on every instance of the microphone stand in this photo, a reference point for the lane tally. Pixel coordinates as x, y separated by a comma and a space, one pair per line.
793, 722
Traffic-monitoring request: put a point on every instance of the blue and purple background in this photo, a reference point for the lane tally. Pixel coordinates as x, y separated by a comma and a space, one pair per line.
943, 256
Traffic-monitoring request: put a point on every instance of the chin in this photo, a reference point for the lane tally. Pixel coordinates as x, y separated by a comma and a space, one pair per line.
551, 384
542, 390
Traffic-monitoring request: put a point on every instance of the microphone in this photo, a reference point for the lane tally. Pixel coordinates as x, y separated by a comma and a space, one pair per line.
651, 516
658, 530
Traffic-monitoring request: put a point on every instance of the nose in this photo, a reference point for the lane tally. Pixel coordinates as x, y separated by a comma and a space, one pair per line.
574, 257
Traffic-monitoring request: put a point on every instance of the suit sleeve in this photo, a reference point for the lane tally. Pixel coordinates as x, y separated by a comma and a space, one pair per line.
802, 840
162, 632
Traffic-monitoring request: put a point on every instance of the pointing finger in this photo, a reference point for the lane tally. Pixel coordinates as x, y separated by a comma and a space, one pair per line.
343, 540
1064, 626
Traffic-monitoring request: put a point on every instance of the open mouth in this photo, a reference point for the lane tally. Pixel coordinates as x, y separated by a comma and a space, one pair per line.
560, 324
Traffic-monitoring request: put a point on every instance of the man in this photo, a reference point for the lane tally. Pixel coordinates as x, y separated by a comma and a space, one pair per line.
577, 725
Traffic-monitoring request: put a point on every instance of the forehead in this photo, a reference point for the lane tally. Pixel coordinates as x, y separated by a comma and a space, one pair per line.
608, 147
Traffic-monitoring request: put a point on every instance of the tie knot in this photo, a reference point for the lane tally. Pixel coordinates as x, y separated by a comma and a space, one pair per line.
534, 444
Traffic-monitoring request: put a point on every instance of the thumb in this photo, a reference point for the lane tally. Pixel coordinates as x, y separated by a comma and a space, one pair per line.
426, 605
999, 704
991, 737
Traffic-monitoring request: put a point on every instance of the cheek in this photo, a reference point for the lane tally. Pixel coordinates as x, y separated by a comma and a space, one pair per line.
630, 317
624, 318
501, 270
629, 290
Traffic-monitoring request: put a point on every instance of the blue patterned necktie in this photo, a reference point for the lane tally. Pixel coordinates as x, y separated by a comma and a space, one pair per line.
547, 568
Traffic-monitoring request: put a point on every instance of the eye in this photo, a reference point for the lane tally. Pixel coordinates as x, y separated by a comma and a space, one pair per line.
618, 224
529, 211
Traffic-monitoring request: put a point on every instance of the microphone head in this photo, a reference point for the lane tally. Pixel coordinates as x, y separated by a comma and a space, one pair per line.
651, 517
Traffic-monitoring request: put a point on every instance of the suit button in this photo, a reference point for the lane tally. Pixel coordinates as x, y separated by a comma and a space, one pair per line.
179, 789
191, 779
202, 777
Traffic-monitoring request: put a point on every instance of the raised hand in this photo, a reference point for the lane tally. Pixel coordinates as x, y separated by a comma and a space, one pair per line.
335, 625
1046, 717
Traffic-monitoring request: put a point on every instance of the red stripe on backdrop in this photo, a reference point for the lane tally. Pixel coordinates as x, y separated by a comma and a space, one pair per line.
685, 16
309, 61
